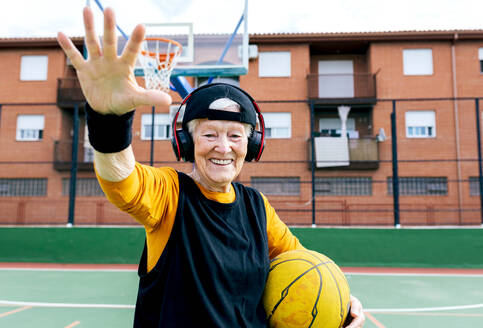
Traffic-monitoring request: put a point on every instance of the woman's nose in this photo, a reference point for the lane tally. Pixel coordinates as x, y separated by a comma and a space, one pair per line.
222, 145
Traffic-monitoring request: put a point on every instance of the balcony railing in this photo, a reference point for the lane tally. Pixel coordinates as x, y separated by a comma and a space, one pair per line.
344, 153
63, 156
358, 87
69, 92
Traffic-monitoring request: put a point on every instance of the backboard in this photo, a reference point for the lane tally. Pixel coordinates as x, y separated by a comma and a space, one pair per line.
215, 39
206, 54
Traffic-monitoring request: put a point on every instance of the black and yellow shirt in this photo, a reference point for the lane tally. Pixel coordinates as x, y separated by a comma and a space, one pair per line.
207, 254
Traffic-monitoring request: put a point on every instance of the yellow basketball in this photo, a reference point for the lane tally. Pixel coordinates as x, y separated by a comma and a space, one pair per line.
305, 289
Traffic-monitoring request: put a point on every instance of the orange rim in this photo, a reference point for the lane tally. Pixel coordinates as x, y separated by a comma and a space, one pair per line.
162, 57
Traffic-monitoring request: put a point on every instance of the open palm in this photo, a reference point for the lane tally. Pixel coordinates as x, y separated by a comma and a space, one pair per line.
107, 80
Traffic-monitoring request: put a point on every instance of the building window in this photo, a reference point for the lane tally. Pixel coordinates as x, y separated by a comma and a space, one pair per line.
274, 64
88, 154
480, 58
336, 79
278, 125
474, 186
420, 186
33, 68
30, 127
83, 187
421, 124
418, 61
286, 186
88, 150
23, 187
343, 186
332, 127
162, 126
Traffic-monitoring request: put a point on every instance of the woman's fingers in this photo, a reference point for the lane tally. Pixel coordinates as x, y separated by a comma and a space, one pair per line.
357, 313
70, 50
91, 39
133, 46
109, 40
108, 82
153, 97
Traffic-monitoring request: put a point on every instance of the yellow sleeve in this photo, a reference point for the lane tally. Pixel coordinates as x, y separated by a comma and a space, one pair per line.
280, 238
149, 194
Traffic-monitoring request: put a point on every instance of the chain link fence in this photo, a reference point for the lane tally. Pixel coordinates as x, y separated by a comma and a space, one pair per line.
428, 150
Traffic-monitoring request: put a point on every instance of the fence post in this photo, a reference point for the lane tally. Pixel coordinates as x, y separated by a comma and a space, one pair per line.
395, 174
151, 161
73, 166
478, 139
312, 164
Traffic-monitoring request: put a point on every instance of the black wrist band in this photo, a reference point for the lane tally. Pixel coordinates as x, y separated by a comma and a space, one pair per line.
109, 133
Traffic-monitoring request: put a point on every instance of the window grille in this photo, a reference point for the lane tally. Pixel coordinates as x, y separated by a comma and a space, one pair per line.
343, 186
424, 186
84, 187
23, 187
474, 186
277, 186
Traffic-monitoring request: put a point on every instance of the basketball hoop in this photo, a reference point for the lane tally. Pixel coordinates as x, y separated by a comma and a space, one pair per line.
158, 58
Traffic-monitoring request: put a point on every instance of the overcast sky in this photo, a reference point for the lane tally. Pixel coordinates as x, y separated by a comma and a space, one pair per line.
34, 18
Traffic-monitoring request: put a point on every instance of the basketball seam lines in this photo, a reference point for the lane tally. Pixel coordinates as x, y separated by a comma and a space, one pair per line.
285, 291
341, 314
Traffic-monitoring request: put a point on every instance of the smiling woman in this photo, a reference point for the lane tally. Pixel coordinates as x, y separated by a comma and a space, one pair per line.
190, 218
219, 147
209, 240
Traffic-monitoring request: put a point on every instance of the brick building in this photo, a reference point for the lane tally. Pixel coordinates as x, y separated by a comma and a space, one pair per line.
326, 97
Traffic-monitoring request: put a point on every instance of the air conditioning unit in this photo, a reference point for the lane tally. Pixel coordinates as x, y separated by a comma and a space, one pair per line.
252, 51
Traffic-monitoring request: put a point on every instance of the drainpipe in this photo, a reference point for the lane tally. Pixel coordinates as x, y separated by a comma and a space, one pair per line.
153, 113
480, 170
456, 125
395, 171
312, 162
73, 166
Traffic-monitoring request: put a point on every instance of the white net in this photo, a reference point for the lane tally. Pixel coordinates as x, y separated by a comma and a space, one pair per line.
158, 58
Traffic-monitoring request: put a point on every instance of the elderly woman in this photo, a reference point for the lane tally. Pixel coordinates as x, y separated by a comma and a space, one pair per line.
208, 240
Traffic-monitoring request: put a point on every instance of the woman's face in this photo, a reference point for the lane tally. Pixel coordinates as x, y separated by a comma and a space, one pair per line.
220, 150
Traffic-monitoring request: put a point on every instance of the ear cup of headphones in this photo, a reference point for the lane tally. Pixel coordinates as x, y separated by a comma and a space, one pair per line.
183, 147
255, 146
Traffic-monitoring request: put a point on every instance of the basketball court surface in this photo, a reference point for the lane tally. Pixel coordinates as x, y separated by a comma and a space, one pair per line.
66, 296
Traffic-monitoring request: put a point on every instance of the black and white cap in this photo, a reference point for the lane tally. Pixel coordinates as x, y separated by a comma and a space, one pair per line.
197, 105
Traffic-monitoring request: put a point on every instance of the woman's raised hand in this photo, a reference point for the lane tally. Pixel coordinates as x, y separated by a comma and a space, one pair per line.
107, 80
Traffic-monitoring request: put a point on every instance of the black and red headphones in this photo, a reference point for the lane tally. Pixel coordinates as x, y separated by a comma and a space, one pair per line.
197, 106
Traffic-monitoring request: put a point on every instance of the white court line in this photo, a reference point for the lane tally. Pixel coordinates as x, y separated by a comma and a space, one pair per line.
347, 273
441, 308
127, 306
67, 305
